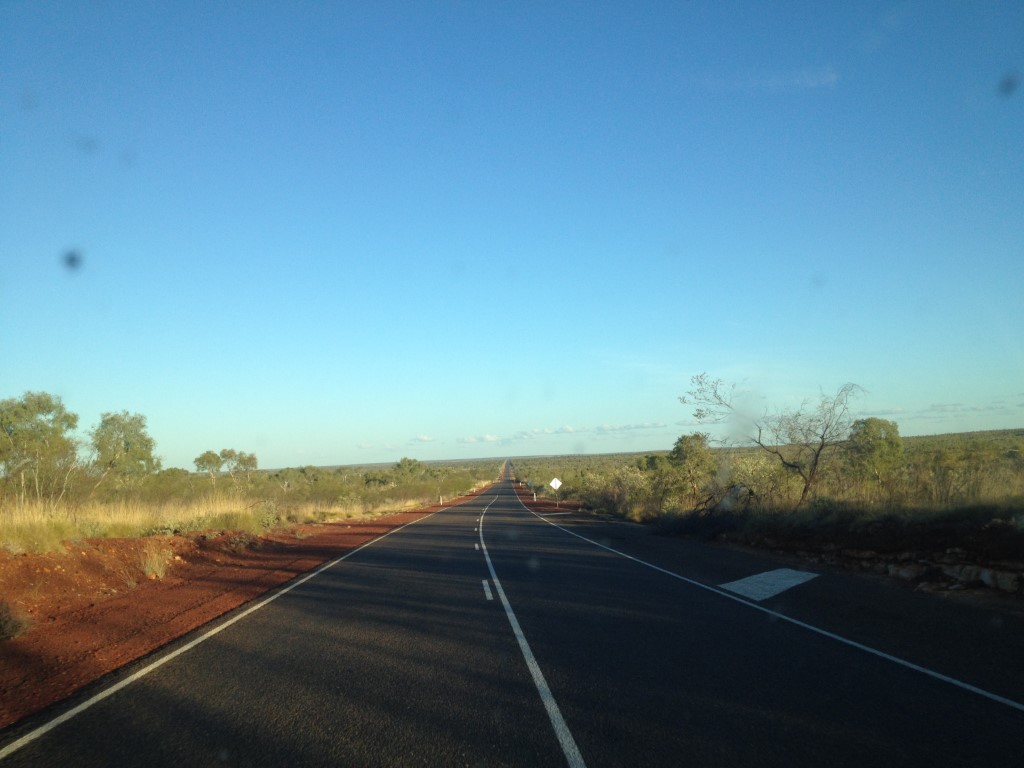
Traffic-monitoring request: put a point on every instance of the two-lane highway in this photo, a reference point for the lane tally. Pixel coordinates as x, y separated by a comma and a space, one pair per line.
652, 669
393, 656
486, 635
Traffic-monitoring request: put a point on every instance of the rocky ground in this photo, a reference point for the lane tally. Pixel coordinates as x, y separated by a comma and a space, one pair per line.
952, 569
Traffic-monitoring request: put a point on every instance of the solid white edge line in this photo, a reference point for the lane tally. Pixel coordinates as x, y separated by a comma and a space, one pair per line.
796, 622
34, 734
565, 739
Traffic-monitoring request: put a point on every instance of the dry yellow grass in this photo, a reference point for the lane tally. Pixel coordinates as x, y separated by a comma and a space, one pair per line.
155, 558
44, 528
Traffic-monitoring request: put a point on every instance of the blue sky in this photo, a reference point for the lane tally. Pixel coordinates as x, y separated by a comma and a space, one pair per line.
350, 232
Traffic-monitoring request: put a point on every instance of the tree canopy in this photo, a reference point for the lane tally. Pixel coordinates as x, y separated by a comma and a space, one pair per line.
695, 461
876, 450
37, 450
209, 462
123, 448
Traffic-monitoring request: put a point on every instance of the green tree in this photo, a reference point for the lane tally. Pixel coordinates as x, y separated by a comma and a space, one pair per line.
237, 461
876, 452
123, 449
246, 462
211, 463
290, 479
407, 467
631, 492
377, 478
228, 457
664, 481
38, 454
693, 457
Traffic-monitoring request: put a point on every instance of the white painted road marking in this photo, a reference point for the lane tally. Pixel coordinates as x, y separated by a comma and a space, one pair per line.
572, 752
487, 590
476, 545
796, 622
31, 736
768, 584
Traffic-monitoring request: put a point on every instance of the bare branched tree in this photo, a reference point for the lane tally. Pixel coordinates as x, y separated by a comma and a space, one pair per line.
800, 439
712, 399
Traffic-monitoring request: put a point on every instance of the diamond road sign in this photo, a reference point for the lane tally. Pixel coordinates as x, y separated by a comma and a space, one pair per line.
556, 483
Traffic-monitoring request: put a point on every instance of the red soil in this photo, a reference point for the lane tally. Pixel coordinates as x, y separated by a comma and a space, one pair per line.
90, 609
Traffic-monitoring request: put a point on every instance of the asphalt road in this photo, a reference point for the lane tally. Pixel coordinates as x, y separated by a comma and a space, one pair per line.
486, 635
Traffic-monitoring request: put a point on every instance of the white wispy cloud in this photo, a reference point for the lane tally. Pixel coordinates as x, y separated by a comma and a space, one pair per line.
529, 434
422, 439
946, 410
951, 412
469, 439
612, 428
689, 423
540, 433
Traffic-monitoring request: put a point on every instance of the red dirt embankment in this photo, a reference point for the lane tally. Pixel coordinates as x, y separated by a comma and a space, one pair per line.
91, 609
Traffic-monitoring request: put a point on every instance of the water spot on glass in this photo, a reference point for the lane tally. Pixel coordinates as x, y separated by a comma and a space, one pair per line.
72, 260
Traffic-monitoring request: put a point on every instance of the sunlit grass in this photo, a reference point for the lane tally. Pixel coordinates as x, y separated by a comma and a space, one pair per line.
44, 528
155, 558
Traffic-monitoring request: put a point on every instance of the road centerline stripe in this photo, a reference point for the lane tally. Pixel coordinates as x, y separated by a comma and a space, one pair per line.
562, 732
487, 590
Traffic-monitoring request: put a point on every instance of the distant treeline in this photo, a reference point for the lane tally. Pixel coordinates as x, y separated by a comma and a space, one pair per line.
55, 487
42, 462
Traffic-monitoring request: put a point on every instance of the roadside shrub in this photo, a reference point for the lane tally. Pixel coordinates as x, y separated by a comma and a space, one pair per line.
37, 535
155, 558
267, 513
764, 477
10, 625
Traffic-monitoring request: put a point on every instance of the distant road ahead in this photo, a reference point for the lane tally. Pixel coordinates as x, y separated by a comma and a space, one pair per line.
596, 644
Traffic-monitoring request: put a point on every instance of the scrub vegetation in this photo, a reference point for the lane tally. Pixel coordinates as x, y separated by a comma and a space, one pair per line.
813, 474
55, 487
930, 477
